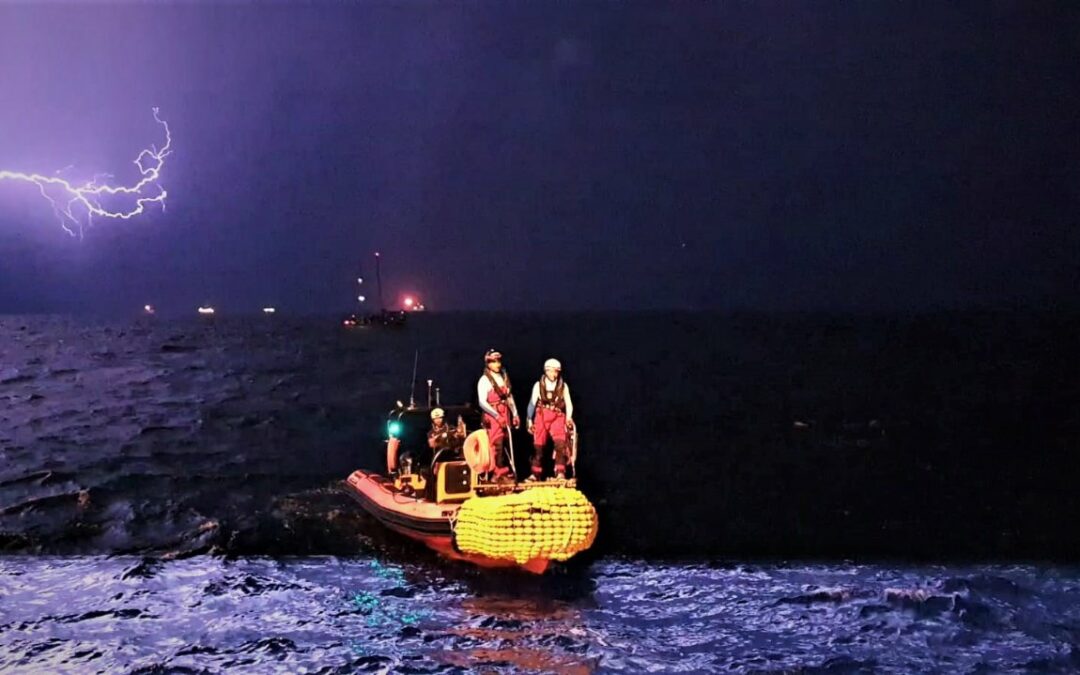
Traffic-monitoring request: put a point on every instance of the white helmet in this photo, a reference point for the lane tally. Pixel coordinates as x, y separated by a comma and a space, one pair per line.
553, 363
437, 414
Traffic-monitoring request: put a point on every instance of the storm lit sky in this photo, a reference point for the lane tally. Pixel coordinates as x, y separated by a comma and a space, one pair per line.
550, 155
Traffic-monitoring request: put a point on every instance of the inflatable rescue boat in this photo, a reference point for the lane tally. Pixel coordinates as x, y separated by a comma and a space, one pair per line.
439, 499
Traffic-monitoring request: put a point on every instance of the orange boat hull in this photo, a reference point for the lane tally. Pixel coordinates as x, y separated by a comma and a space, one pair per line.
421, 520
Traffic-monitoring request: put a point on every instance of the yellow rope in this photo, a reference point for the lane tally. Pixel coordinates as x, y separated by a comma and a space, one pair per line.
551, 523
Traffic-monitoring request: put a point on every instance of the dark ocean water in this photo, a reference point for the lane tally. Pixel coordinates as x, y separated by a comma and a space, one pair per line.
168, 496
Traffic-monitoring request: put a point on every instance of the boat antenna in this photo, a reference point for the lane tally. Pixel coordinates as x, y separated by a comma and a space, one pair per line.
412, 385
429, 383
378, 283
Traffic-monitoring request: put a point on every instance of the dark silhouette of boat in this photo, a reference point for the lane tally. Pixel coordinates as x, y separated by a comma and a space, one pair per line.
384, 317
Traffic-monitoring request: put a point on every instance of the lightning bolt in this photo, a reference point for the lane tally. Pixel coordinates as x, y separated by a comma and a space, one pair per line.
76, 205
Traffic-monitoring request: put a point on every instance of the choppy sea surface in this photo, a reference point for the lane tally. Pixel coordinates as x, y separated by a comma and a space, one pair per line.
170, 496
334, 615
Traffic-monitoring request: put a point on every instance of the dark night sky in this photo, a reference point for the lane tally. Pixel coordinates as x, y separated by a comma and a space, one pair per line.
552, 155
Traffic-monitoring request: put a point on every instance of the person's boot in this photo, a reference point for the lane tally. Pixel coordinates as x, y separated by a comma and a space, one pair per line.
561, 457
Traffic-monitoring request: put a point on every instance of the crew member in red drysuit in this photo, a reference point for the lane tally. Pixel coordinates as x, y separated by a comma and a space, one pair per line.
550, 415
500, 412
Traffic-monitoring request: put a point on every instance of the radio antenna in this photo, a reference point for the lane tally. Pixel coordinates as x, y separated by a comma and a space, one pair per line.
412, 385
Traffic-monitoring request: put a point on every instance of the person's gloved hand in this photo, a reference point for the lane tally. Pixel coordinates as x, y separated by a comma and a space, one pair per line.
517, 422
529, 426
569, 424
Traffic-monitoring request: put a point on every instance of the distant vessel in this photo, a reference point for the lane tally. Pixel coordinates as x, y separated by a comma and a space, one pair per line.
383, 317
206, 310
268, 310
148, 309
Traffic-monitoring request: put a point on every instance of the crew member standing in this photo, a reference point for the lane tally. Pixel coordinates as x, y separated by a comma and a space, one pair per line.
550, 415
497, 403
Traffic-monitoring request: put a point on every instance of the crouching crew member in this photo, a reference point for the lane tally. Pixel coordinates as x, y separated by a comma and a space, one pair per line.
497, 403
442, 436
550, 415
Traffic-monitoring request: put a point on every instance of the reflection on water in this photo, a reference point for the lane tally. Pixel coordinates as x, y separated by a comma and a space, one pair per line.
522, 659
529, 633
123, 614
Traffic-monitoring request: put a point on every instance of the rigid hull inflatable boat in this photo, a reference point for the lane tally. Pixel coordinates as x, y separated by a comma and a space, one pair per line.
439, 499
